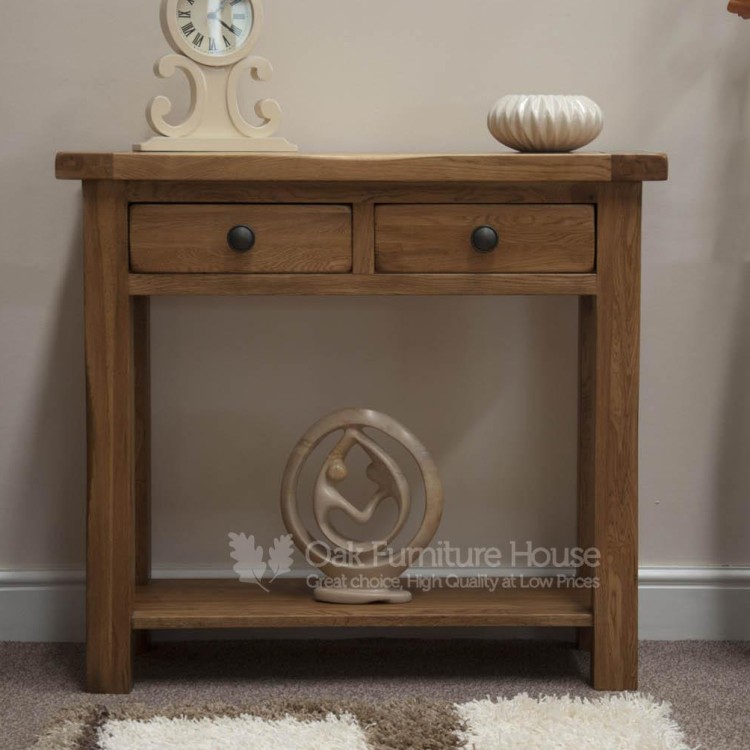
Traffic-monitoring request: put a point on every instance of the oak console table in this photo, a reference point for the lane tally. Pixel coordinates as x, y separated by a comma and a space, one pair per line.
225, 224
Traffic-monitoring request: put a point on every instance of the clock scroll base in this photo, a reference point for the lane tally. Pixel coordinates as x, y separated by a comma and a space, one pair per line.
213, 145
334, 595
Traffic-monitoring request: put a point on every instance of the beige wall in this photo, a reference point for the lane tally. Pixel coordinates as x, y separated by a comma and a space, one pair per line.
236, 381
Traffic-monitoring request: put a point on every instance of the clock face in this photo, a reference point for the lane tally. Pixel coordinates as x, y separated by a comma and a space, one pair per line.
213, 32
215, 27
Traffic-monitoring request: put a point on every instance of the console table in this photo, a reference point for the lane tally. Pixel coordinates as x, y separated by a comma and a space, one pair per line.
231, 224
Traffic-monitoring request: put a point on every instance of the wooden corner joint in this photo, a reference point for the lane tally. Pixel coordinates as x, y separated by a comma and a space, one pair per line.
740, 7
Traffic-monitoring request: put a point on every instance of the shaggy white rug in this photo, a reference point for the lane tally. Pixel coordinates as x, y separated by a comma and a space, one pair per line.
245, 732
611, 722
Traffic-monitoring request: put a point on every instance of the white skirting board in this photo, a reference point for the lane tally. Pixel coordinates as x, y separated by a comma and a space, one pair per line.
675, 604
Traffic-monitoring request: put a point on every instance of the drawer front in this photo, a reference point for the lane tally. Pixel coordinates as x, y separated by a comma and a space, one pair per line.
287, 238
531, 239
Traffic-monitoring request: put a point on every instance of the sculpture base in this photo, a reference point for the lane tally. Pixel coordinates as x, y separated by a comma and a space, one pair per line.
361, 596
214, 145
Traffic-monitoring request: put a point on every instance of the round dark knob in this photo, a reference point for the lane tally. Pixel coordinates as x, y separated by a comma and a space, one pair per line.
484, 239
241, 238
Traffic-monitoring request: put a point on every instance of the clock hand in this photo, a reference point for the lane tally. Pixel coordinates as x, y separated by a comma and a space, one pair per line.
226, 25
213, 15
216, 14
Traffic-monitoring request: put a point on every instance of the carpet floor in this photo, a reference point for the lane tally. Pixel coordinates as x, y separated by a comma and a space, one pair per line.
708, 684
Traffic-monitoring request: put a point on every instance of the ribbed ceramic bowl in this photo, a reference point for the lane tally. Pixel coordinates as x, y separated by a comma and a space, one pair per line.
545, 122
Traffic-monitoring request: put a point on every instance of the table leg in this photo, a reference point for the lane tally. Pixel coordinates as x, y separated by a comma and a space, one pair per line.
586, 384
615, 322
142, 374
110, 563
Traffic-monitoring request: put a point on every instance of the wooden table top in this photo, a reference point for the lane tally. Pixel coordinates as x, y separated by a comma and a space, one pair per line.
413, 168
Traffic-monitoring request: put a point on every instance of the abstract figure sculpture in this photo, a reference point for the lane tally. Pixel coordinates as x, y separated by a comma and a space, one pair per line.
360, 572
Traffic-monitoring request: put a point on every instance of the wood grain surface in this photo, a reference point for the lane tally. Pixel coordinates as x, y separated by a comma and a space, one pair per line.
347, 285
380, 225
364, 237
146, 191
231, 604
615, 329
437, 239
110, 562
586, 437
192, 239
142, 468
497, 167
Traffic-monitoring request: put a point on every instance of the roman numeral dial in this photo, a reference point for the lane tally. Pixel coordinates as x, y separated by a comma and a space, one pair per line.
212, 28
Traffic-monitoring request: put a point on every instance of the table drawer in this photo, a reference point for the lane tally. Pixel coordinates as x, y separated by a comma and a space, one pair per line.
189, 238
439, 239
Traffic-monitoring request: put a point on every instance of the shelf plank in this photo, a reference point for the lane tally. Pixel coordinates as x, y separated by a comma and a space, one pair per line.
170, 604
455, 168
390, 284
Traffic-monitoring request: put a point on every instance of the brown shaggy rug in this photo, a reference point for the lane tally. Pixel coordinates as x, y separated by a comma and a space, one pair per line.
618, 722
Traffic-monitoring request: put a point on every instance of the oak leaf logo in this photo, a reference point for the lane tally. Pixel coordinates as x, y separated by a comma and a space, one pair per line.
251, 564
280, 556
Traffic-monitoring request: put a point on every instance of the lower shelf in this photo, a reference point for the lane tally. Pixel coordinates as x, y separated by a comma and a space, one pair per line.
169, 604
